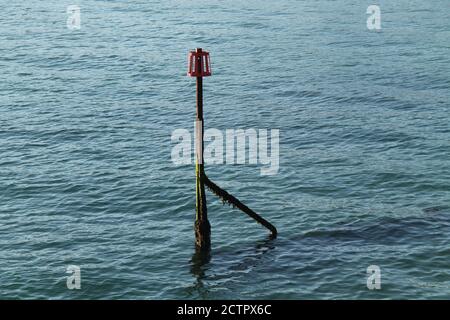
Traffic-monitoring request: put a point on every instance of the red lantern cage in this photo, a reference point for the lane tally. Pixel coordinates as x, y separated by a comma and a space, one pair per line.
199, 64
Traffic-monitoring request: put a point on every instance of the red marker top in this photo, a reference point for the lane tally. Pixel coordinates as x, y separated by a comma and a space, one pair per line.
199, 64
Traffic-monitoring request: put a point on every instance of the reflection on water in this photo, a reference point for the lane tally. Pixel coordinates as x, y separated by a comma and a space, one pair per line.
199, 264
248, 259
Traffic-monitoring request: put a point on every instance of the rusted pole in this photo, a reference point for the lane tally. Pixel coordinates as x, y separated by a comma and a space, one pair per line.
202, 226
199, 66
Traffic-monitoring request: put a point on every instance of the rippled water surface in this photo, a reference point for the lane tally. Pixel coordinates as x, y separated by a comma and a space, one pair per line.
86, 176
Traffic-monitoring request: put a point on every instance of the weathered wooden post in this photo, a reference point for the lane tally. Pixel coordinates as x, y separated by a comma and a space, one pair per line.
199, 67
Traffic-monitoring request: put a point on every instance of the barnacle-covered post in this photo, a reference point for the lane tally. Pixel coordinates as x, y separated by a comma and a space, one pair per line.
199, 67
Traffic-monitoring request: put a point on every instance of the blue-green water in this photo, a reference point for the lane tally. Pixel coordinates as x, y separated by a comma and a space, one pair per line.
86, 176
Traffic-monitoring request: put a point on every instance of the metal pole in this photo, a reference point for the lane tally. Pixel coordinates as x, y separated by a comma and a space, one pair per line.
202, 226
